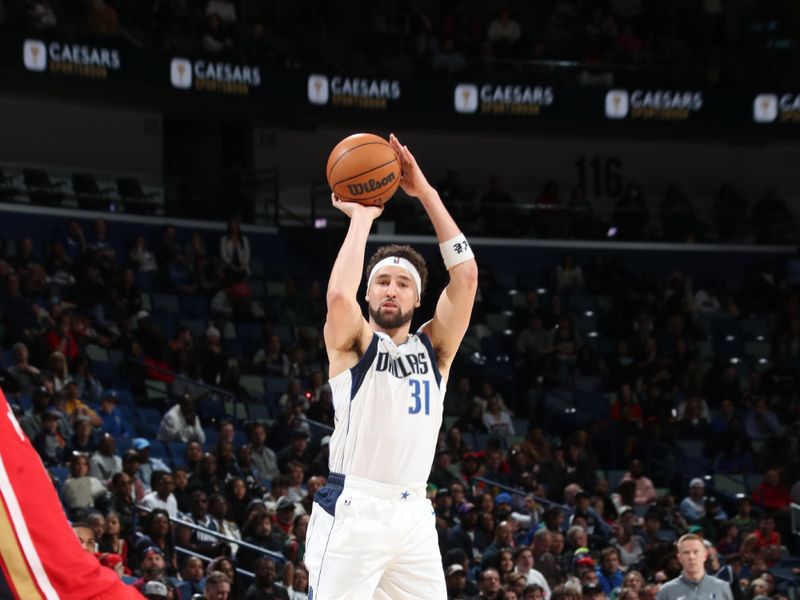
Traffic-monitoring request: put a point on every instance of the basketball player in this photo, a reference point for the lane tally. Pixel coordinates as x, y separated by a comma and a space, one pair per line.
41, 557
372, 531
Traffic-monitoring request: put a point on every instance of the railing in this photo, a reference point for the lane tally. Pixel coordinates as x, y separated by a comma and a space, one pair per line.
205, 558
519, 492
218, 535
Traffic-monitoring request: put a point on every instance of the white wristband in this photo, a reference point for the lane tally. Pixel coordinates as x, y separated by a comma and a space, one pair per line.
455, 251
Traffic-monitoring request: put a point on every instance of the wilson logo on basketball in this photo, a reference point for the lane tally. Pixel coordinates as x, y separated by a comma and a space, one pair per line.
359, 189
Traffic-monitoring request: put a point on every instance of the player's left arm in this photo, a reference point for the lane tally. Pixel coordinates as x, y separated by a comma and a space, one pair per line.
454, 308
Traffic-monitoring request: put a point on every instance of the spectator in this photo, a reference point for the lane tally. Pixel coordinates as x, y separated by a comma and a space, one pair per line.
105, 462
265, 587
74, 407
191, 575
609, 575
234, 249
23, 373
162, 497
218, 586
504, 33
130, 466
569, 276
141, 258
762, 423
83, 439
181, 423
645, 490
692, 507
152, 567
205, 478
257, 530
771, 494
524, 563
49, 443
271, 360
80, 490
57, 366
149, 464
496, 420
114, 422
264, 459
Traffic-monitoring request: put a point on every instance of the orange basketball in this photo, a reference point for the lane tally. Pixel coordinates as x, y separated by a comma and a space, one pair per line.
363, 168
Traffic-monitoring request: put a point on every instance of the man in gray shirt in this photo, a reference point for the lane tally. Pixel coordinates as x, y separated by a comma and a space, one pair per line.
694, 583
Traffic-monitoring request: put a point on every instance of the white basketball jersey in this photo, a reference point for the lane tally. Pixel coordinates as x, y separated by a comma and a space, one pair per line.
388, 411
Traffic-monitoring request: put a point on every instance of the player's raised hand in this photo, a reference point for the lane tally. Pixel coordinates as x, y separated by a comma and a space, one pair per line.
350, 208
412, 179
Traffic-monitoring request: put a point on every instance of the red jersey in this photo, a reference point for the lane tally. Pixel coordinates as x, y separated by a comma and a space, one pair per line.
40, 555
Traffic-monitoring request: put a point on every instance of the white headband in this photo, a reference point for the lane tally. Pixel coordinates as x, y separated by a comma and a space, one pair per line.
396, 261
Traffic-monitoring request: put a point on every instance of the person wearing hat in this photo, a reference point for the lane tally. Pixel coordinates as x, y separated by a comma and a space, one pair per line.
693, 507
148, 463
181, 423
455, 578
693, 581
114, 422
50, 444
130, 466
31, 423
443, 505
593, 591
462, 536
152, 566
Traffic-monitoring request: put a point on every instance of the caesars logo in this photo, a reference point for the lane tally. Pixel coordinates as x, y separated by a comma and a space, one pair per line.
225, 78
659, 105
352, 92
768, 108
502, 99
70, 59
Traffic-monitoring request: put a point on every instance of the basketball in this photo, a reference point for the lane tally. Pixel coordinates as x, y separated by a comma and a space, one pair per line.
363, 168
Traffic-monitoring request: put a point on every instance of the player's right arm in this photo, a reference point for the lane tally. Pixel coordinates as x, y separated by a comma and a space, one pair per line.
346, 332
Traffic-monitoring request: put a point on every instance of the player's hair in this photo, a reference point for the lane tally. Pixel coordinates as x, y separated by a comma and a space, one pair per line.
403, 251
689, 537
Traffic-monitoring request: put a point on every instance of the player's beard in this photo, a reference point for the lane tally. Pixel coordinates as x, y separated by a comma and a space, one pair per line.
395, 321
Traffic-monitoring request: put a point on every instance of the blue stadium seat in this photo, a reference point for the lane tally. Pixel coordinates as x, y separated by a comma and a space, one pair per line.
211, 438
166, 303
147, 422
177, 450
103, 370
194, 306
60, 473
159, 450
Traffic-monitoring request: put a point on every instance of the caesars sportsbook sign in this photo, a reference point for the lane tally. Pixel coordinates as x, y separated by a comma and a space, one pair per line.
62, 58
653, 105
502, 99
353, 92
776, 108
214, 76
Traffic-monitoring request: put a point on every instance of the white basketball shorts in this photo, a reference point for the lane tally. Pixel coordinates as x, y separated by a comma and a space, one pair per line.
369, 540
